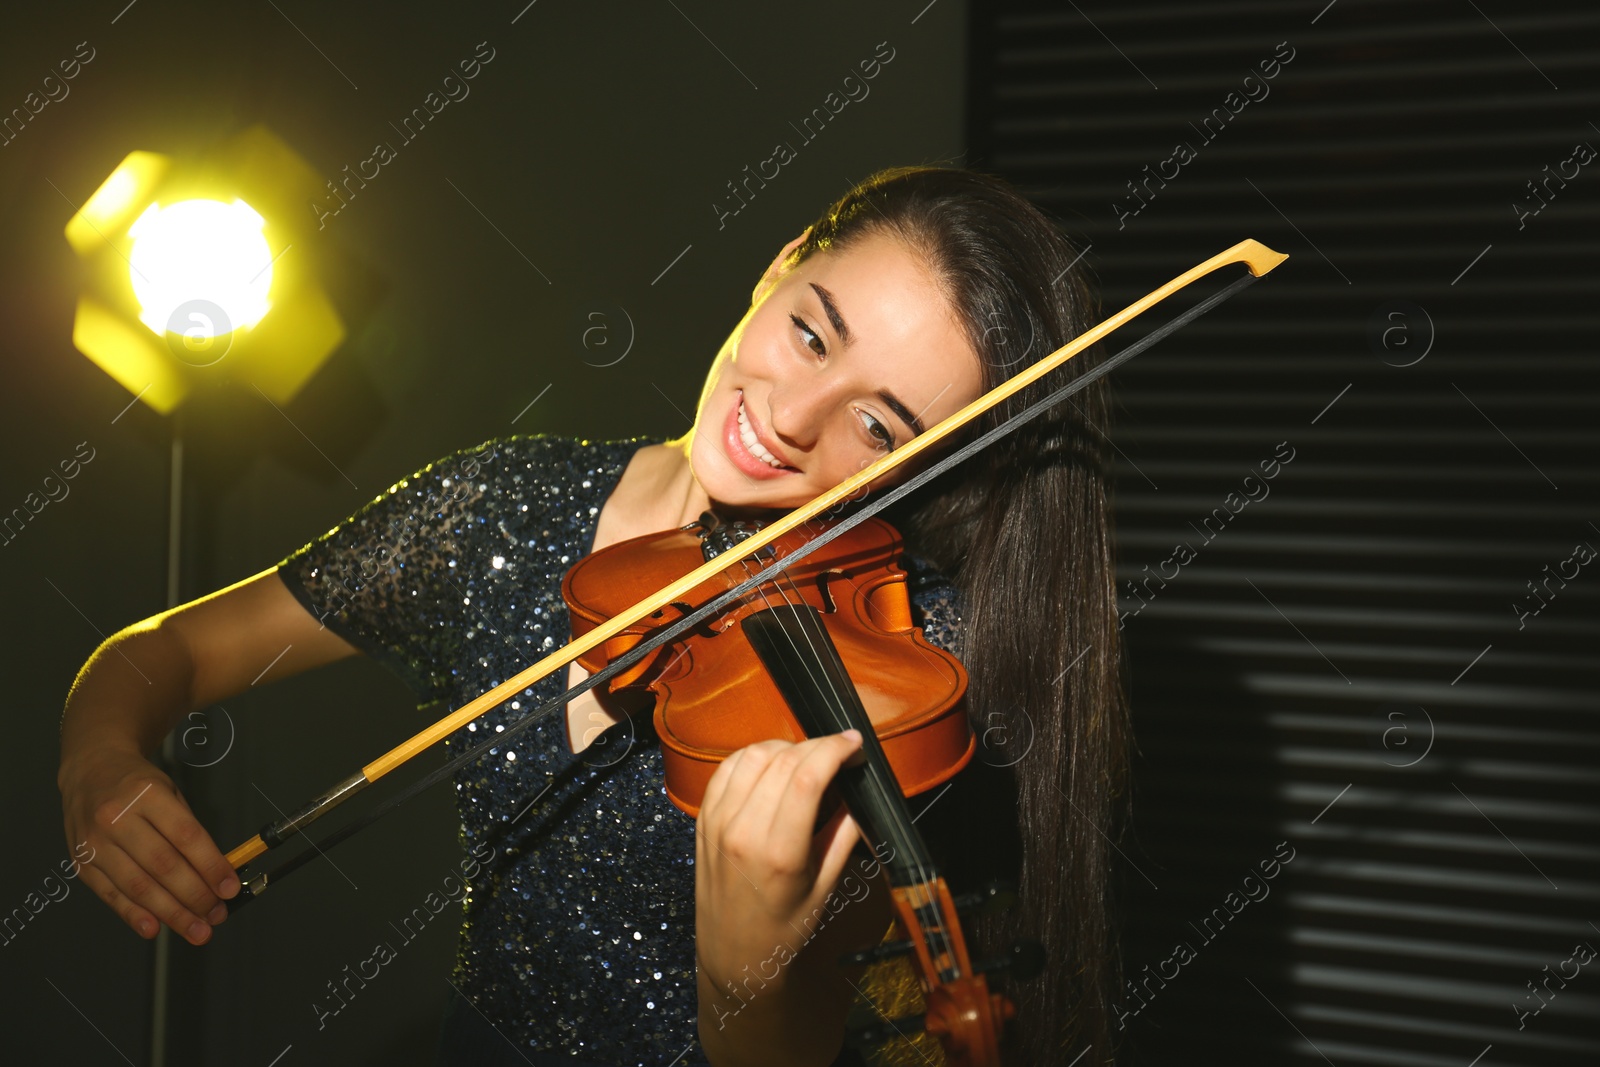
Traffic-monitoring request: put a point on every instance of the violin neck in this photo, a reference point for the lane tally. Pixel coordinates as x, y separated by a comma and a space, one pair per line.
795, 647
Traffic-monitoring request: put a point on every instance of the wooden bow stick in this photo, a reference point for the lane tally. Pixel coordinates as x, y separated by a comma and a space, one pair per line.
1256, 257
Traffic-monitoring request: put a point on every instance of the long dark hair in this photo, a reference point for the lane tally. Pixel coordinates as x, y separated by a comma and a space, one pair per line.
1023, 529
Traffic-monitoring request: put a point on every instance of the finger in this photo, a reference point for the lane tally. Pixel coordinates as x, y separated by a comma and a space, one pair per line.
185, 833
138, 919
835, 841
140, 886
717, 786
732, 783
767, 793
145, 846
819, 761
739, 829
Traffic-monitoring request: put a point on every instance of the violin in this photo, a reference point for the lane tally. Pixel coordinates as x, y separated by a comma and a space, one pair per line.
828, 645
713, 693
927, 737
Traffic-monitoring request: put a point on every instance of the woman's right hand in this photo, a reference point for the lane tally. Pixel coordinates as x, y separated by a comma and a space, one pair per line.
148, 857
152, 861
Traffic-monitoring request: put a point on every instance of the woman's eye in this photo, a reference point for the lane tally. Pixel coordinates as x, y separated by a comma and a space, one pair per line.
878, 430
808, 336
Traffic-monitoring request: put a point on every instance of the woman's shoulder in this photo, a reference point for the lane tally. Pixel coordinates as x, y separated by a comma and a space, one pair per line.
535, 459
552, 447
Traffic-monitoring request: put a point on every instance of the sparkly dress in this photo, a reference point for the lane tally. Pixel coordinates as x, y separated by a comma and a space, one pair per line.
578, 940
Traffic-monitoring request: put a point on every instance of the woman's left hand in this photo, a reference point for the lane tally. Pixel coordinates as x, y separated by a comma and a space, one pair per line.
761, 875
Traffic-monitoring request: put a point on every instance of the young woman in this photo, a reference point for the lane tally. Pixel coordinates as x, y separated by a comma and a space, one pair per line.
605, 926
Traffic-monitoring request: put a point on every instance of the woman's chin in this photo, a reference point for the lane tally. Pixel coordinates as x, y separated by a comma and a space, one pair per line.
736, 495
717, 475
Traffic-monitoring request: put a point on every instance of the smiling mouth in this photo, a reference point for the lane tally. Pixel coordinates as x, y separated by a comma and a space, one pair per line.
752, 443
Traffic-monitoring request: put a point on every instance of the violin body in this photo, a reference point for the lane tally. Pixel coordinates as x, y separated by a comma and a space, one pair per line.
712, 694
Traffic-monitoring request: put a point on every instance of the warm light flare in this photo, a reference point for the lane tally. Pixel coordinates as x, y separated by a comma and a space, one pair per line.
200, 268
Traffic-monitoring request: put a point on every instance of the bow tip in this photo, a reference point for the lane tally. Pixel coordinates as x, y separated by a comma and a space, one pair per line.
1257, 257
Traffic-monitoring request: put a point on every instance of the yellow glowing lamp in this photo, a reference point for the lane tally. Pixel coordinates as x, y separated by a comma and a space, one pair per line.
204, 270
203, 261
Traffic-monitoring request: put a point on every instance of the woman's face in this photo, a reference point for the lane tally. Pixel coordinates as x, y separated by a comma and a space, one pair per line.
839, 360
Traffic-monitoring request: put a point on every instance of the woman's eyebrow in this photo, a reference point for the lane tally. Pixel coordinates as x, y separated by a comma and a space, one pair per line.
894, 405
831, 309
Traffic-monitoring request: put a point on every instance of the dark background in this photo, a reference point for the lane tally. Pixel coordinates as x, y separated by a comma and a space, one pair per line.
1341, 667
1354, 629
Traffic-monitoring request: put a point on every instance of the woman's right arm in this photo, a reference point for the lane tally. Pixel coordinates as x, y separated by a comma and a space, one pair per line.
149, 858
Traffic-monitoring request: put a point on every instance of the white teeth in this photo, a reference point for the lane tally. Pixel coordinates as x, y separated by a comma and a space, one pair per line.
753, 443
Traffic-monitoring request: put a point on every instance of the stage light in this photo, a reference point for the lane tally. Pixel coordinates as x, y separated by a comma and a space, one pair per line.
202, 272
203, 269
196, 255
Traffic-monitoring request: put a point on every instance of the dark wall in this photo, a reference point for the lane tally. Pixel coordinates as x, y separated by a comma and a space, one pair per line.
1376, 653
584, 164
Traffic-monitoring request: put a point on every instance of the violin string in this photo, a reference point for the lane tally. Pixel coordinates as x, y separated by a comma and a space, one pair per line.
921, 890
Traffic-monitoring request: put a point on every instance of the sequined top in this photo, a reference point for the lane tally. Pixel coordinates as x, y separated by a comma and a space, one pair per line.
578, 937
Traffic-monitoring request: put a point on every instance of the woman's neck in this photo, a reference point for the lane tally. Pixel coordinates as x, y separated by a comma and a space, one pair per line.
681, 498
658, 490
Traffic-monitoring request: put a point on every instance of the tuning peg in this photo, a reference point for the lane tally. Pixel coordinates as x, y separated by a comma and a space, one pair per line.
996, 897
882, 951
885, 1030
1023, 960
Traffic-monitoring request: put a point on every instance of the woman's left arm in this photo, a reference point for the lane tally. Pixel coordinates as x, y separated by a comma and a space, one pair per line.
775, 908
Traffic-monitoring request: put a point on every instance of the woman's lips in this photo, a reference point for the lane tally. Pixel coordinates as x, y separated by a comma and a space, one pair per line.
734, 447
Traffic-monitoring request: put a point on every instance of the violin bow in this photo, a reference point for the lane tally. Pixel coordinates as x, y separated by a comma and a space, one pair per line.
1258, 260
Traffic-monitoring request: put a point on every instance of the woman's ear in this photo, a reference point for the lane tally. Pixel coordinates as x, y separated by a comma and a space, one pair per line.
775, 268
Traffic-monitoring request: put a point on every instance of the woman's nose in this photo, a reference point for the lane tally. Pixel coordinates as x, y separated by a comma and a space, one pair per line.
797, 410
